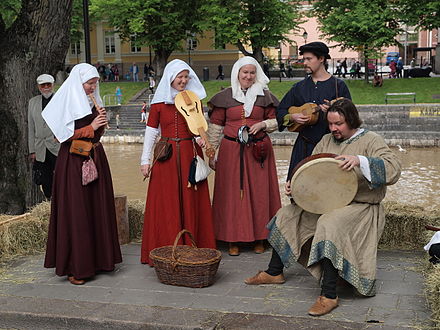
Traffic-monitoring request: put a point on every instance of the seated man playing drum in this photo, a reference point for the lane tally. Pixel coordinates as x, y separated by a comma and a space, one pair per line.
343, 241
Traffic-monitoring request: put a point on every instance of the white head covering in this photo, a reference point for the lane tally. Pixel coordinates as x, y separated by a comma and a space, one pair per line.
70, 102
166, 93
252, 92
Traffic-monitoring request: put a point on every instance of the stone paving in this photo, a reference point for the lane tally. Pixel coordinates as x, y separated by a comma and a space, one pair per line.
32, 297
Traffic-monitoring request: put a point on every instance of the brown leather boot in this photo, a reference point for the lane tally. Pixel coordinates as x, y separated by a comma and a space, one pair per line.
265, 278
323, 305
234, 250
75, 281
259, 247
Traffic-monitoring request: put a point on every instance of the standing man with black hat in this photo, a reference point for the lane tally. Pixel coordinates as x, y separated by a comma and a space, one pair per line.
318, 87
43, 148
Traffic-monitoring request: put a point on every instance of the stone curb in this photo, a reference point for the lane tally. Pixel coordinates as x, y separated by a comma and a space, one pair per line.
44, 313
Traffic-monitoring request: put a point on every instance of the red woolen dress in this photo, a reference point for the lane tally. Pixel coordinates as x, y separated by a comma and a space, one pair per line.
236, 219
172, 206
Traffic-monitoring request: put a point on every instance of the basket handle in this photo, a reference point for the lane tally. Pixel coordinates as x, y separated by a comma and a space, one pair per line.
179, 235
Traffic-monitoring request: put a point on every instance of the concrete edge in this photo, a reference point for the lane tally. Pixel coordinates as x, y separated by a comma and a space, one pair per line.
44, 313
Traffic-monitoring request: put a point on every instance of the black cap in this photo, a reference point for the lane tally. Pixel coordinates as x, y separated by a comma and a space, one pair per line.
318, 48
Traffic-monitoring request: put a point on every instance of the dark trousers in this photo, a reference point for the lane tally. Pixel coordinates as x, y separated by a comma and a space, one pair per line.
47, 167
329, 277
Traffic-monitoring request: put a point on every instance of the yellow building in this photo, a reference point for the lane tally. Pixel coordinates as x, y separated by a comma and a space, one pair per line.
107, 47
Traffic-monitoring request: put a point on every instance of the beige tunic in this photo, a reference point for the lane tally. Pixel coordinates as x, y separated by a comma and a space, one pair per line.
347, 236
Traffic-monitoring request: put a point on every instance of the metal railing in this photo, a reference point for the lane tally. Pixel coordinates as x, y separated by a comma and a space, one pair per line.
109, 99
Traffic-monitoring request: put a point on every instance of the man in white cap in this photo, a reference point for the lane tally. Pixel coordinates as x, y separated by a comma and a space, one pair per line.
43, 147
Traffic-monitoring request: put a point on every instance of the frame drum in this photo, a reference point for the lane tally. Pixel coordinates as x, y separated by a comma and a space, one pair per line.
320, 186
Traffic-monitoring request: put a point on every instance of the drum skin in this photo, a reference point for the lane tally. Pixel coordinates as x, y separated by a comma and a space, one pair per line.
320, 186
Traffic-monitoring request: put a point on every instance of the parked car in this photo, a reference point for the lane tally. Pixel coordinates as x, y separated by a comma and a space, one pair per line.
392, 56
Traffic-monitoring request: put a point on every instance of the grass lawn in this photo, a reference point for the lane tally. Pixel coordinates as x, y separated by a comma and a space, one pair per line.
128, 89
361, 93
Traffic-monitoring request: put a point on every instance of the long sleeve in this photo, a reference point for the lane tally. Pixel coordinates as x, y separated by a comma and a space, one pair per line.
150, 136
83, 132
215, 134
385, 167
31, 131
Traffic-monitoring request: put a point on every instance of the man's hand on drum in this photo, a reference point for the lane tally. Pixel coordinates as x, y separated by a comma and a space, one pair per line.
287, 189
255, 128
299, 118
348, 162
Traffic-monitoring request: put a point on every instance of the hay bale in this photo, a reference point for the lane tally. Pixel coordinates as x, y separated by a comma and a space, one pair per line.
25, 235
405, 226
432, 290
136, 209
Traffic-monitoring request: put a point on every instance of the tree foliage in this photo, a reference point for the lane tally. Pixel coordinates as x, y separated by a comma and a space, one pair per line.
257, 24
421, 13
161, 25
365, 26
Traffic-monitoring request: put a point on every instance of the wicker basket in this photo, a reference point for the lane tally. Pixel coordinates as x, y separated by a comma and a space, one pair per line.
186, 265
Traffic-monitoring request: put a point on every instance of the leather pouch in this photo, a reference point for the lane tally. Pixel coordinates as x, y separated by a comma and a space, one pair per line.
81, 147
163, 150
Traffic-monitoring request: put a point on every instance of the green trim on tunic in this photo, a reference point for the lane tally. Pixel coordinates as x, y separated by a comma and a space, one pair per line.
320, 250
326, 249
280, 244
350, 141
377, 170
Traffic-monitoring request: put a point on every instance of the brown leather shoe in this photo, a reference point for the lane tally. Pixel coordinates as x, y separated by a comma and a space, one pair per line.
75, 281
234, 250
323, 305
259, 247
265, 278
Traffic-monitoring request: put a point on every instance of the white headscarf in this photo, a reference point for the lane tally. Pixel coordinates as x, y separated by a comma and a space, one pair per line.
70, 102
166, 93
252, 92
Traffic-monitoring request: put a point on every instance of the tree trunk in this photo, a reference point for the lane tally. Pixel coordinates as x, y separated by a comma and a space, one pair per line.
160, 60
36, 43
258, 55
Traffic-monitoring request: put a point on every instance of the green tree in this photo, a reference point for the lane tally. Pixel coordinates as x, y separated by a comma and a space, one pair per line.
161, 25
34, 39
421, 13
254, 24
365, 26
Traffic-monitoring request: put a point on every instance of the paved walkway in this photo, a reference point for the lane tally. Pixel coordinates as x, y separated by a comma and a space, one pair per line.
32, 297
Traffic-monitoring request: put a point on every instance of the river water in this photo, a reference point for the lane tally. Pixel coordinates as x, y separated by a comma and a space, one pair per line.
419, 183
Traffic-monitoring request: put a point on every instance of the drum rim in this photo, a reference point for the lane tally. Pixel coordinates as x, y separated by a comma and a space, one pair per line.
320, 160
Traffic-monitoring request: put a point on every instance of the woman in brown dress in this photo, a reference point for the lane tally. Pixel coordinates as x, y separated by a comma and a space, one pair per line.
246, 191
82, 238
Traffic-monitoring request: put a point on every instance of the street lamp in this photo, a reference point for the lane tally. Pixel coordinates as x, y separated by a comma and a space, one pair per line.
305, 35
279, 59
189, 42
86, 30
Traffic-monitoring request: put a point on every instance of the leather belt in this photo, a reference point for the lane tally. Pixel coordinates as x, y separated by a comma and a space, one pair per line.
175, 139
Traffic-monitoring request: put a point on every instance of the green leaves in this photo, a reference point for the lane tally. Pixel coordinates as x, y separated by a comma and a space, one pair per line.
358, 25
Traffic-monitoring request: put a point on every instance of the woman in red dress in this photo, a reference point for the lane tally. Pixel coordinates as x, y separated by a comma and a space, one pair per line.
246, 191
172, 205
83, 237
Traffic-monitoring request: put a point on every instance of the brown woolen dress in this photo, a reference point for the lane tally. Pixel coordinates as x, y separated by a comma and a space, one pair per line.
82, 238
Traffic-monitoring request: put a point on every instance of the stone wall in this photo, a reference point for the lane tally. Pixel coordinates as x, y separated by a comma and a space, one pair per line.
416, 125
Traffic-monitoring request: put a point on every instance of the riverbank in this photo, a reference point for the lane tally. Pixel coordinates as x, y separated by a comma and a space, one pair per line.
413, 125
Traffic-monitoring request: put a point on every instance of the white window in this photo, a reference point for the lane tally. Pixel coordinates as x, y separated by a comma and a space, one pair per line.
109, 42
134, 48
191, 44
75, 48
